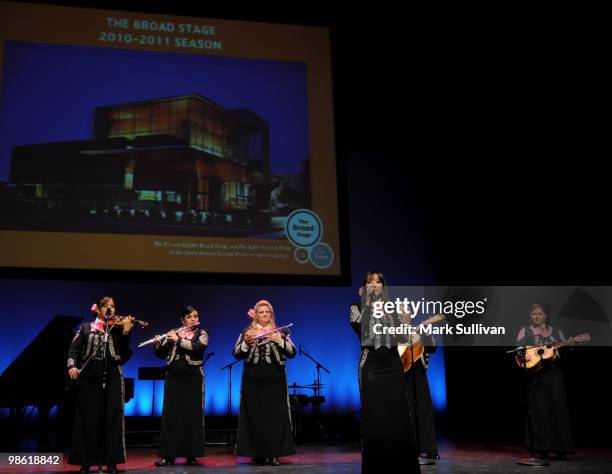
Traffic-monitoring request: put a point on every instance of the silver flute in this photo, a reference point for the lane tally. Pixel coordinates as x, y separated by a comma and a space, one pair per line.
165, 336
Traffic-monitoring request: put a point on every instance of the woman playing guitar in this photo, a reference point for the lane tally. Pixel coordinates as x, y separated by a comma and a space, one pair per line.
548, 414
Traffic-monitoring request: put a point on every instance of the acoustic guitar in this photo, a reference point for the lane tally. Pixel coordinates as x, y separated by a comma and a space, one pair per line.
534, 355
414, 351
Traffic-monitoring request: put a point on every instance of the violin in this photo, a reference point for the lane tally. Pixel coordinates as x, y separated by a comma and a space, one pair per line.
118, 320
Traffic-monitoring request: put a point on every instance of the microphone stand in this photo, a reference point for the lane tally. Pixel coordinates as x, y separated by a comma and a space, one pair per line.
229, 378
206, 357
104, 398
316, 406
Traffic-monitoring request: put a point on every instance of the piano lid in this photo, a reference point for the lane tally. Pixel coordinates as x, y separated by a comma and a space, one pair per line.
38, 373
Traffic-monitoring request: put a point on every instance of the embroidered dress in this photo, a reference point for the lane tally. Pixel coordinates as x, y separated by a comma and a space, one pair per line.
387, 440
182, 428
264, 421
92, 443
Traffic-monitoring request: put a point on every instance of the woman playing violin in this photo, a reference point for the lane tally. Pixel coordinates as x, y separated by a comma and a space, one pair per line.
264, 424
549, 416
182, 428
98, 436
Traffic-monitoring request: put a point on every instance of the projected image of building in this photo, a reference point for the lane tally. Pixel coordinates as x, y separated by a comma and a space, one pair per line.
183, 162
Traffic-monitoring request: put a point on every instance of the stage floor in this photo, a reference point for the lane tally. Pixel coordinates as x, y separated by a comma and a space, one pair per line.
457, 458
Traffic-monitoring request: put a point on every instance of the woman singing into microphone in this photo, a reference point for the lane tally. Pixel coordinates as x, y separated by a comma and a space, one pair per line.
387, 439
264, 422
182, 428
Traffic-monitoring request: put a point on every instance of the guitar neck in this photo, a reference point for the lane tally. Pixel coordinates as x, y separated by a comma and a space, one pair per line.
563, 343
572, 340
434, 319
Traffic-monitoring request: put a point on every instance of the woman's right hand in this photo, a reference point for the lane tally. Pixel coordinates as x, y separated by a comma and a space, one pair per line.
73, 373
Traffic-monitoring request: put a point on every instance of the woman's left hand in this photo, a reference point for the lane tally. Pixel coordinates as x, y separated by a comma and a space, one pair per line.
405, 317
276, 337
127, 324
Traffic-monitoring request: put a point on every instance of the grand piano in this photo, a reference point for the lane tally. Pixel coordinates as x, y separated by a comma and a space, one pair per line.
38, 378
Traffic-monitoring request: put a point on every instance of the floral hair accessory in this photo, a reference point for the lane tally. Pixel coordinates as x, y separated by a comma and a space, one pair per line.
251, 313
94, 308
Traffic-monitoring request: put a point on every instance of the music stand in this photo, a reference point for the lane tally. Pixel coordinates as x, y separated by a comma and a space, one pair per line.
154, 374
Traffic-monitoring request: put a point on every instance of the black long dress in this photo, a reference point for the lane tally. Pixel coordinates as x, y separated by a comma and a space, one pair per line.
416, 382
182, 428
387, 439
264, 421
550, 423
92, 442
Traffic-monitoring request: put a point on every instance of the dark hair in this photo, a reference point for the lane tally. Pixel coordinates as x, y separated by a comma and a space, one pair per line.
541, 306
187, 310
105, 299
544, 309
370, 274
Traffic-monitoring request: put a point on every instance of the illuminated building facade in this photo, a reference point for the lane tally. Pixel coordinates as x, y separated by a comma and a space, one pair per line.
181, 159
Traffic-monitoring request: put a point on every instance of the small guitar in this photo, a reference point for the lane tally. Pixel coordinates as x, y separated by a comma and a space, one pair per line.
416, 348
534, 355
